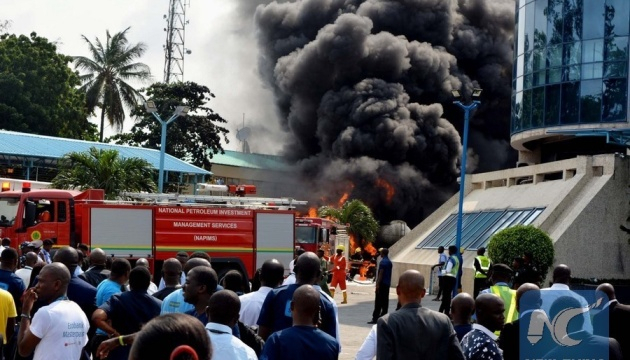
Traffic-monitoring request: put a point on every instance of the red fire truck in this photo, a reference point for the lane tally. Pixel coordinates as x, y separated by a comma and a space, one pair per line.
237, 232
309, 231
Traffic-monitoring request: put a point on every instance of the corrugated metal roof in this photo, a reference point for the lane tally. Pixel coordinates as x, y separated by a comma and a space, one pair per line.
48, 149
253, 161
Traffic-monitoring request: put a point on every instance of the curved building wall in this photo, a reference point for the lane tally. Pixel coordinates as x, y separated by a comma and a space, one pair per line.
570, 65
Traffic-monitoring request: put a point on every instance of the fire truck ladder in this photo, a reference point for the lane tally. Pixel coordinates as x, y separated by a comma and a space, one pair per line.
235, 201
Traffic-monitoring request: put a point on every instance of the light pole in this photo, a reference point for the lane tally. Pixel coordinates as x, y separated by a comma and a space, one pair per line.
180, 110
462, 177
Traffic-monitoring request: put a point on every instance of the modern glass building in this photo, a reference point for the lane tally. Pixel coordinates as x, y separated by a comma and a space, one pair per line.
570, 67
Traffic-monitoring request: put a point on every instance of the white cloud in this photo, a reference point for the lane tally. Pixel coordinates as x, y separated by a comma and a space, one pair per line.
223, 54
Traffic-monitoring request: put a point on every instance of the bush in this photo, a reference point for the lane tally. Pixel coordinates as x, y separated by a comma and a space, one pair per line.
514, 241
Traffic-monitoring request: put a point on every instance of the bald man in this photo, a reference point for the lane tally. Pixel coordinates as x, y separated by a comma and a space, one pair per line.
223, 308
303, 340
59, 329
271, 275
79, 291
481, 342
97, 272
275, 314
462, 308
174, 302
171, 275
145, 263
509, 340
616, 316
560, 287
415, 332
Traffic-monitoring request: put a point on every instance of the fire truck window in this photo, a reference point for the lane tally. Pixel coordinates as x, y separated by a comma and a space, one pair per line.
61, 211
8, 211
305, 235
45, 211
324, 236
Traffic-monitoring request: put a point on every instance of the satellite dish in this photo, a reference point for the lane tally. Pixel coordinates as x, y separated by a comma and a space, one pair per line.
243, 134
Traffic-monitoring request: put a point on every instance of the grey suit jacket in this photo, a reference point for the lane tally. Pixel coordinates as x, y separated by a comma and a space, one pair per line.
414, 332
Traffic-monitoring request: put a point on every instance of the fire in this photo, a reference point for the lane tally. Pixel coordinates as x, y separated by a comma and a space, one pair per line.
389, 189
312, 212
370, 248
343, 199
353, 242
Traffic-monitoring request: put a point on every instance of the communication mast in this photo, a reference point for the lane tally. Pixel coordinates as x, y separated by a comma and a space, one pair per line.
174, 49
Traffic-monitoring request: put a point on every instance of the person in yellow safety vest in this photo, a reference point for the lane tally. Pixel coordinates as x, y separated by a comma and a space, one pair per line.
501, 275
482, 267
449, 274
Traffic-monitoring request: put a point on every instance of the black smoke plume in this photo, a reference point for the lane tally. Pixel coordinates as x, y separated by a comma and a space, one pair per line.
363, 87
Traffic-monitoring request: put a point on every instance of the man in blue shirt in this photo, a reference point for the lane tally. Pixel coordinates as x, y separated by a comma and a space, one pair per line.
8, 280
383, 282
128, 311
201, 283
174, 302
303, 340
275, 314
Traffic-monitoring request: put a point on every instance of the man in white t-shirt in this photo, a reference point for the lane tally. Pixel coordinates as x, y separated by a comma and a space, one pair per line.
59, 329
25, 272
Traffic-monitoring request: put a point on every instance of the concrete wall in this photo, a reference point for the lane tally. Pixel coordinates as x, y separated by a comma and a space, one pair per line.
587, 233
583, 210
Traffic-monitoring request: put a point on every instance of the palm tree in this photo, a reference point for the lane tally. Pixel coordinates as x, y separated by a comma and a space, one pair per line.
357, 214
104, 169
106, 74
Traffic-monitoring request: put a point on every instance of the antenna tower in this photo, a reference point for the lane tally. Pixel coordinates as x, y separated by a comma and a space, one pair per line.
174, 49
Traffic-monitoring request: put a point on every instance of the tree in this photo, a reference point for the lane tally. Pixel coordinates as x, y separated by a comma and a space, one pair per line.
38, 90
357, 214
107, 72
104, 169
514, 241
189, 137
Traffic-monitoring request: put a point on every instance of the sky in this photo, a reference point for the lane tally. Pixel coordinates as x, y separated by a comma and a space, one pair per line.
222, 44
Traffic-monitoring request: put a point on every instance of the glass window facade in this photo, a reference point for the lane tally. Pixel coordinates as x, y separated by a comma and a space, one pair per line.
477, 227
571, 63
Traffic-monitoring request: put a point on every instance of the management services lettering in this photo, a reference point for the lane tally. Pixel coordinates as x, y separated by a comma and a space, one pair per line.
205, 225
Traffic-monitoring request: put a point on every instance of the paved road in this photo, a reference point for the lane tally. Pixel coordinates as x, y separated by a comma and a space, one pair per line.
353, 317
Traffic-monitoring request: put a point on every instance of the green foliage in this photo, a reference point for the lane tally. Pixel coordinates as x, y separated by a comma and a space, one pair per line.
106, 75
514, 241
104, 169
194, 137
38, 90
357, 214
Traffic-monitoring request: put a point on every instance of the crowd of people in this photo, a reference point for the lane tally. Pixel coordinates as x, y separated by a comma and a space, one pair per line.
71, 303
510, 316
56, 304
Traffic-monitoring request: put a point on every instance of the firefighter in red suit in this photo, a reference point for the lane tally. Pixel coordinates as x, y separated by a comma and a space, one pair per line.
339, 274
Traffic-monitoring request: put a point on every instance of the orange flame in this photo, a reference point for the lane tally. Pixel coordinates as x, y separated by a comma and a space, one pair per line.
389, 189
312, 212
343, 199
353, 241
370, 248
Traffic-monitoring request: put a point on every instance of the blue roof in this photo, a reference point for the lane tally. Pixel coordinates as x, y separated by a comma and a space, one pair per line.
248, 160
477, 227
47, 149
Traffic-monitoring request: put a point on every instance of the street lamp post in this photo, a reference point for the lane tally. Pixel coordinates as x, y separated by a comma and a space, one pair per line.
179, 111
462, 177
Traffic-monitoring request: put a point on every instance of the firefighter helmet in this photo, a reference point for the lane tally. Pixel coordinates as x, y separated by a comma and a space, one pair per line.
341, 247
358, 250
